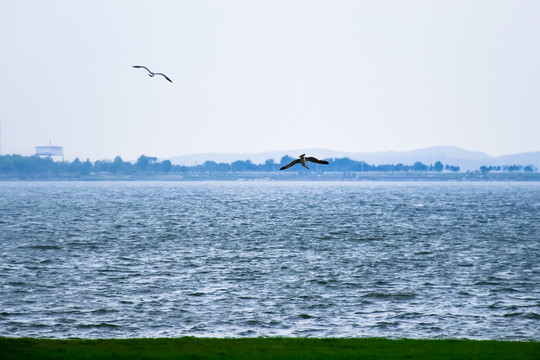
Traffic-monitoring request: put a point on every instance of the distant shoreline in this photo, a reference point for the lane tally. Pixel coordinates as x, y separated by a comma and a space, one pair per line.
294, 176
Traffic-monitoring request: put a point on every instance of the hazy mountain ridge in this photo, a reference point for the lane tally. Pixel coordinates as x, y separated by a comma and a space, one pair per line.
451, 155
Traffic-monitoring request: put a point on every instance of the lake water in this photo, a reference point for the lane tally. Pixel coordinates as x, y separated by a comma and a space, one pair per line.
239, 259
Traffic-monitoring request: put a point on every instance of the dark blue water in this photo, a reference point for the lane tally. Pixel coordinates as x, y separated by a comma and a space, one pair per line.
164, 259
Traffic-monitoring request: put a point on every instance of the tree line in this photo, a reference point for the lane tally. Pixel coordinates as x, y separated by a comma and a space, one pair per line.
507, 168
19, 165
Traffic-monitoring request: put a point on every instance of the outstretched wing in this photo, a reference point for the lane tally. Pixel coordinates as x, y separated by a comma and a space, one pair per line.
165, 76
294, 162
312, 159
142, 67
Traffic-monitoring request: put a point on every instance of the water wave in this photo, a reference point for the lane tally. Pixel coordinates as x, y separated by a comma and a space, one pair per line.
421, 260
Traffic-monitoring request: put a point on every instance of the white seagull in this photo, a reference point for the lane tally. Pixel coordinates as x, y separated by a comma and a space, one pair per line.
151, 73
302, 160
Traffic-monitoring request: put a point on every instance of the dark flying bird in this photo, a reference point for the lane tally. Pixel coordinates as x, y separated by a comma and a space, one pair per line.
302, 160
151, 73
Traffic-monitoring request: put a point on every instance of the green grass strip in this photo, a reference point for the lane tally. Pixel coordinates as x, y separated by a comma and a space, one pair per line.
266, 348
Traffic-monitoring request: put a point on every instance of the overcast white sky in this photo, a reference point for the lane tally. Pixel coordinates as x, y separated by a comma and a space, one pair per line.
251, 76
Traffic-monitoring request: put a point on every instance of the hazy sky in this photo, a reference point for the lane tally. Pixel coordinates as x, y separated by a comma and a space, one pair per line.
252, 76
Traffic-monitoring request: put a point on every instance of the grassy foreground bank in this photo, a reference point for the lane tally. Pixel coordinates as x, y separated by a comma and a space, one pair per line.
265, 348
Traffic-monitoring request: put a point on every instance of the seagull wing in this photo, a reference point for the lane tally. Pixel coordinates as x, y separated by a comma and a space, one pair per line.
142, 67
294, 162
312, 159
165, 76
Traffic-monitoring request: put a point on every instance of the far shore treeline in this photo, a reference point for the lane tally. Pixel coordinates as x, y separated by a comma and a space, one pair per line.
18, 165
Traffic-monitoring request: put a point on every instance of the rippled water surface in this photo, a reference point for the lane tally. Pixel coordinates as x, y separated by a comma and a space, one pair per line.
152, 259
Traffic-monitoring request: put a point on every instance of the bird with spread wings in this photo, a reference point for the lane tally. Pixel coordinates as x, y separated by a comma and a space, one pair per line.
302, 160
151, 74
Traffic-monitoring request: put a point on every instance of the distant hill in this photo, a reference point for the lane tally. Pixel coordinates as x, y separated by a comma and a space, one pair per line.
466, 160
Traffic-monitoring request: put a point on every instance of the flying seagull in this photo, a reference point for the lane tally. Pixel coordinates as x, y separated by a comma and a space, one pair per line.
151, 74
302, 160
